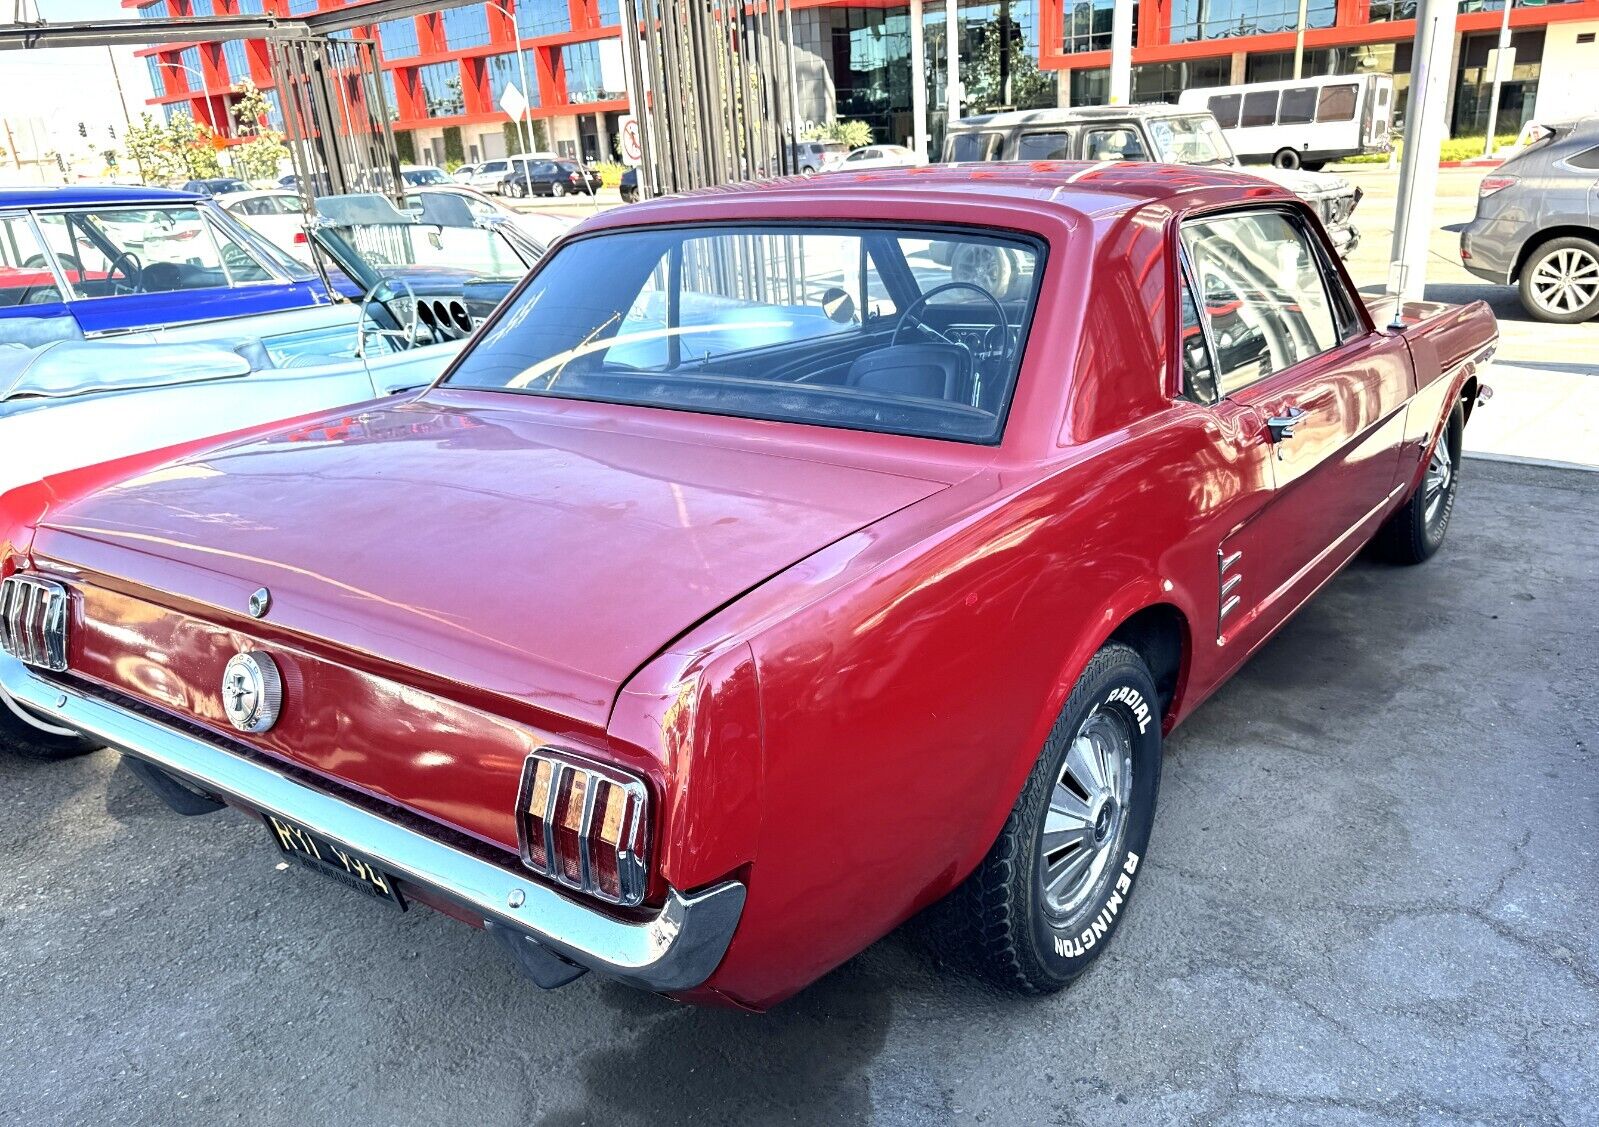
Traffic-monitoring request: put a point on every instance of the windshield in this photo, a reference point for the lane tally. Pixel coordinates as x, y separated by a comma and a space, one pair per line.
403, 247
971, 146
871, 328
1190, 140
416, 177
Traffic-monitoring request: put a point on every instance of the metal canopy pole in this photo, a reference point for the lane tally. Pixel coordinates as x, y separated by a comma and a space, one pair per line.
1424, 135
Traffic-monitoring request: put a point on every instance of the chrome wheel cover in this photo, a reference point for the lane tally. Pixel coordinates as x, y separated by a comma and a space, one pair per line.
1436, 485
1086, 822
1566, 281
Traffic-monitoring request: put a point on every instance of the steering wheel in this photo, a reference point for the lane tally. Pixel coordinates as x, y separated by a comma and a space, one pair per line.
131, 274
409, 334
1001, 322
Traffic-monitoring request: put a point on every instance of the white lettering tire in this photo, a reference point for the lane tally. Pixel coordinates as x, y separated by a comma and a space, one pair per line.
1056, 884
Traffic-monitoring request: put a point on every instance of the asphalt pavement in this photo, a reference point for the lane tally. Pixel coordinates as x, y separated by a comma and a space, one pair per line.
1371, 898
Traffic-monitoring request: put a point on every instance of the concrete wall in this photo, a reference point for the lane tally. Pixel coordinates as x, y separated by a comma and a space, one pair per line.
1565, 85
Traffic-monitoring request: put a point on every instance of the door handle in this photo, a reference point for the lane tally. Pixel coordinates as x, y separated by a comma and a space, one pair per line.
1281, 427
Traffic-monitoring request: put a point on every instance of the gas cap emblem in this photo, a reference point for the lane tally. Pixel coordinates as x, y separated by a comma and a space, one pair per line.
252, 691
260, 601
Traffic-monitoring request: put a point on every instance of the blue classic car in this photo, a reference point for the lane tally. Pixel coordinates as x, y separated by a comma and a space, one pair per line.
93, 261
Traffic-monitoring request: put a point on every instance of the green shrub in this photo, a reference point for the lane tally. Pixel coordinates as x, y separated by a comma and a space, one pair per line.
1453, 148
855, 134
610, 172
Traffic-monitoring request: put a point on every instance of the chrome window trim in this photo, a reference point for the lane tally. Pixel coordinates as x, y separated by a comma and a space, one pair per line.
676, 948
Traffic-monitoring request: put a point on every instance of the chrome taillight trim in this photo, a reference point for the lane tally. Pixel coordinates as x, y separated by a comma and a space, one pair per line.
33, 621
566, 771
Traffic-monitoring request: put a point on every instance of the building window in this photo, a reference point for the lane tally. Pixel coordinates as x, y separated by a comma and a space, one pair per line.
158, 74
1087, 25
441, 89
251, 8
1089, 87
391, 98
610, 13
202, 8
156, 11
466, 27
592, 74
237, 58
274, 110
542, 17
1474, 90
1163, 82
301, 7
398, 38
1226, 19
503, 71
1382, 11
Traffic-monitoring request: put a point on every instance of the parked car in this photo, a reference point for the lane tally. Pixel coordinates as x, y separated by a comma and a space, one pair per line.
86, 261
1537, 224
216, 185
488, 176
464, 174
1301, 122
877, 156
1153, 131
810, 157
551, 178
456, 206
779, 581
422, 176
276, 215
628, 186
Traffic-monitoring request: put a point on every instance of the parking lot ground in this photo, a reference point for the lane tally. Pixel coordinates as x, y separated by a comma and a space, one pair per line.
1371, 898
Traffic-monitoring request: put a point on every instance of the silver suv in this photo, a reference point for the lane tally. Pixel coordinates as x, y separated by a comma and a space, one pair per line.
1537, 223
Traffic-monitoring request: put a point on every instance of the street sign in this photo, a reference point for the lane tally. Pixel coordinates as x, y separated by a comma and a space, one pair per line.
1501, 65
513, 101
632, 142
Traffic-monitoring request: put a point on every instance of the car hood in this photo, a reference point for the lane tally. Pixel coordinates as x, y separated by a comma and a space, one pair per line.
1309, 185
485, 541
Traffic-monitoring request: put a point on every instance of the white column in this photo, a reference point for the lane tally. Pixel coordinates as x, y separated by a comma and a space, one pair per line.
918, 81
952, 63
1501, 56
1425, 128
1299, 41
1121, 53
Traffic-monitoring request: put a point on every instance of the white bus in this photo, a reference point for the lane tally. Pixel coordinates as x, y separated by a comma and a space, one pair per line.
1303, 123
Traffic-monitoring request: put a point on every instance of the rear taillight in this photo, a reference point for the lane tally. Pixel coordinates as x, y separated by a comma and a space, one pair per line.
1492, 184
584, 826
299, 239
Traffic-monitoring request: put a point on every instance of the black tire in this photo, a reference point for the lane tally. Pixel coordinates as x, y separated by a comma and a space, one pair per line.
21, 738
557, 188
629, 195
1541, 294
1313, 165
1285, 158
1416, 531
1001, 923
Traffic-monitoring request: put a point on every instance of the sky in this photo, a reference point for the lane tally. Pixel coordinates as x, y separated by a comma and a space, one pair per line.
71, 84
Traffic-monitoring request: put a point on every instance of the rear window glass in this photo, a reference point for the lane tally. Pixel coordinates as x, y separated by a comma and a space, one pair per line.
1044, 146
25, 275
882, 328
972, 146
1337, 103
1225, 109
1588, 159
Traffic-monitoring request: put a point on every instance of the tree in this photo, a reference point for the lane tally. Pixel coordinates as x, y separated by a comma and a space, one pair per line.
264, 152
1002, 73
193, 143
855, 134
149, 144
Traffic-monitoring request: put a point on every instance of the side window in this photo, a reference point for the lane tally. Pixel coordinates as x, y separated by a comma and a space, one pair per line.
1225, 109
1044, 146
1298, 106
1337, 103
1587, 159
1262, 294
1260, 108
1117, 143
25, 277
1199, 370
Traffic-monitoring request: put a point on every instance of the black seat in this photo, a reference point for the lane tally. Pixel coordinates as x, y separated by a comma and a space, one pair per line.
928, 371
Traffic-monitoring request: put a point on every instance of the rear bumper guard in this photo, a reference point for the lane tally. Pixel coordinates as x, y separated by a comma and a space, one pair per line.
676, 949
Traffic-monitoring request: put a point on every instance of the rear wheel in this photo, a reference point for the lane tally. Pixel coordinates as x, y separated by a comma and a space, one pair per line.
515, 190
1045, 901
1416, 532
557, 189
1285, 158
1560, 281
19, 737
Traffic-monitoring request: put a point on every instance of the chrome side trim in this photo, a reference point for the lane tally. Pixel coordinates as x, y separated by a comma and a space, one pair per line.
33, 621
676, 949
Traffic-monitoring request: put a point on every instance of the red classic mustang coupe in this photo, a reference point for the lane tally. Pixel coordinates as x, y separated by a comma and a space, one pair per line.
776, 563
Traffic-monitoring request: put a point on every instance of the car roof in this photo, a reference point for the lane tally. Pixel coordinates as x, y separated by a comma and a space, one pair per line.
1062, 189
225, 198
79, 195
1065, 116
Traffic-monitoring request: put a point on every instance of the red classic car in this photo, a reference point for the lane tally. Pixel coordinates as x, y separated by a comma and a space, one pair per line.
778, 562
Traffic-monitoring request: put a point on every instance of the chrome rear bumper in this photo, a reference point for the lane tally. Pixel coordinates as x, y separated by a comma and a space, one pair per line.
677, 949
